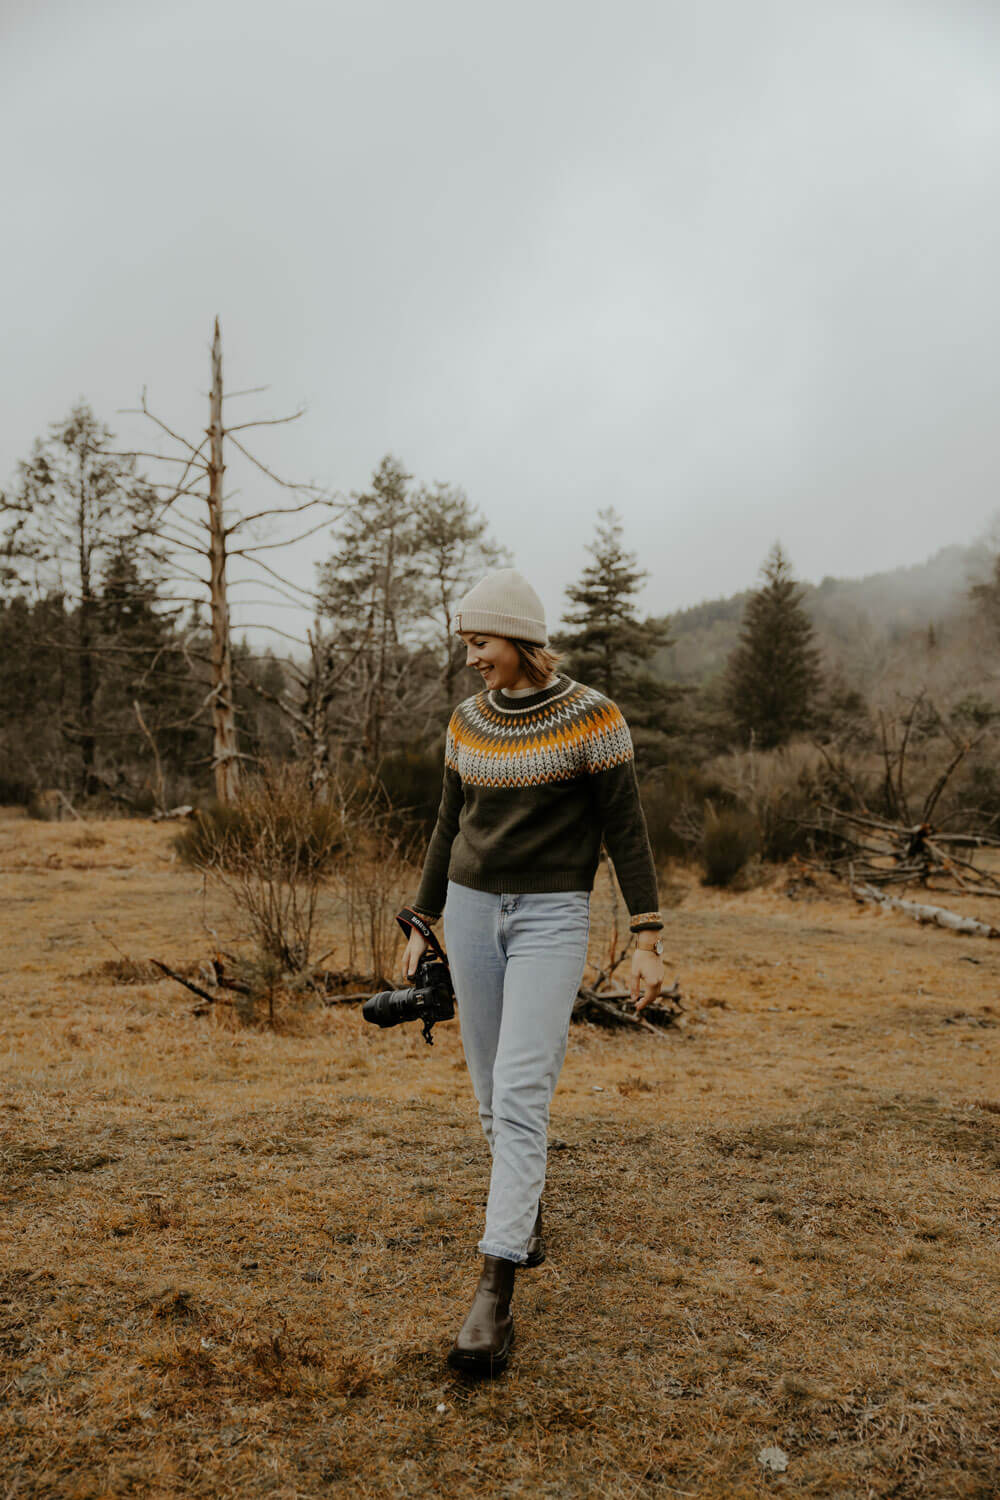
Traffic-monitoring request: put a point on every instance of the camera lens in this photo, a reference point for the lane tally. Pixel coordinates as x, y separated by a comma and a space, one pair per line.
390, 1007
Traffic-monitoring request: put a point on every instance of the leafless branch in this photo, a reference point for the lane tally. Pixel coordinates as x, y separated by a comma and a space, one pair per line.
144, 411
267, 422
165, 458
285, 484
285, 542
288, 582
259, 625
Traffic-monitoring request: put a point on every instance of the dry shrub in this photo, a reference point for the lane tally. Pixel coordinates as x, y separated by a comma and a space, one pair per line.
669, 796
378, 878
772, 787
272, 851
284, 846
758, 805
277, 820
782, 791
729, 842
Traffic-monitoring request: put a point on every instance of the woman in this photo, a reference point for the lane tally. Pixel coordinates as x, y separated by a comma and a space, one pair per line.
538, 769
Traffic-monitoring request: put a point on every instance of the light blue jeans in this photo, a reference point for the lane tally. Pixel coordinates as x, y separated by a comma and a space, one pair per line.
516, 962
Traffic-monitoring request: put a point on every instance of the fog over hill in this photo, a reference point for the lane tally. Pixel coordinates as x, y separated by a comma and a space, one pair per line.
856, 619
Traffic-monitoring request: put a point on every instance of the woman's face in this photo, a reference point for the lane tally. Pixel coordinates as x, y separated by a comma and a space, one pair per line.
495, 659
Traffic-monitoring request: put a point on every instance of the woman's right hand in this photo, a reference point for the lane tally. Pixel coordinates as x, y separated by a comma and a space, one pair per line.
415, 949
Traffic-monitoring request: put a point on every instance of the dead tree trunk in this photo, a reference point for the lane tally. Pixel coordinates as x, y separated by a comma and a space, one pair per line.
190, 523
225, 756
86, 689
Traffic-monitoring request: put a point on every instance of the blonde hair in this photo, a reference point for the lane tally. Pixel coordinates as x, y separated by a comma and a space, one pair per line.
538, 663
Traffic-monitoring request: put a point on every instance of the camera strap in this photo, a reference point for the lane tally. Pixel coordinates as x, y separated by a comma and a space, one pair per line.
408, 918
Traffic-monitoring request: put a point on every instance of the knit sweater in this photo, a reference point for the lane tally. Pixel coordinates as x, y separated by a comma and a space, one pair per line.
531, 786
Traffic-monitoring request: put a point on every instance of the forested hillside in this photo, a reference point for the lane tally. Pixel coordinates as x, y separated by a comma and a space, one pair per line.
858, 621
123, 684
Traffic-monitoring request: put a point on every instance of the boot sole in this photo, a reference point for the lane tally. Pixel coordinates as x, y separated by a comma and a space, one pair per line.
534, 1259
483, 1365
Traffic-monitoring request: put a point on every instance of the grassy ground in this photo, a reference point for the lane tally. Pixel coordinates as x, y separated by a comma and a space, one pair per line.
232, 1262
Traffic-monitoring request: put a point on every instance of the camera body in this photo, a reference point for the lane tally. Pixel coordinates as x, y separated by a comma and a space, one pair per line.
430, 998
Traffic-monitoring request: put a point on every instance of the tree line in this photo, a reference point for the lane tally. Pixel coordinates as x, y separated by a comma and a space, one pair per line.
110, 681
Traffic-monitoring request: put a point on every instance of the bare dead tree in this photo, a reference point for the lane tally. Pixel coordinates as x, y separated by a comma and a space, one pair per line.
224, 753
193, 521
305, 703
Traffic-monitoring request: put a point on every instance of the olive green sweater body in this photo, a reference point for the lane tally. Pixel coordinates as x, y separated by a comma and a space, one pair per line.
532, 786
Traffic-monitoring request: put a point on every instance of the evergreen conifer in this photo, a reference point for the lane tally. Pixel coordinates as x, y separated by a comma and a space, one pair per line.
611, 645
773, 675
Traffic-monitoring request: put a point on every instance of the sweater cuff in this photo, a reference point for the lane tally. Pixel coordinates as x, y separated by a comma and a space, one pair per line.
429, 917
646, 921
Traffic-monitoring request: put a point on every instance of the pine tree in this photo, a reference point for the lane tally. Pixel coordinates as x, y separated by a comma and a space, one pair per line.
77, 504
773, 675
36, 695
370, 593
610, 646
453, 550
149, 700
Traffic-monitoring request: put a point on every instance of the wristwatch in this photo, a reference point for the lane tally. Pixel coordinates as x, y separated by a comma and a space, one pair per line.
657, 947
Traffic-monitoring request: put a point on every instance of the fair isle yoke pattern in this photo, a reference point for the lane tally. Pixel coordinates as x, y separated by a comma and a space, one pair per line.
532, 788
576, 732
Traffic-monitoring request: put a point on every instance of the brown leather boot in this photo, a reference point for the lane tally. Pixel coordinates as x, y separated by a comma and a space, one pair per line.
536, 1245
484, 1342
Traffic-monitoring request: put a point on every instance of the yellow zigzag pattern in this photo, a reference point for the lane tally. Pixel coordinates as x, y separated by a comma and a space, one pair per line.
576, 734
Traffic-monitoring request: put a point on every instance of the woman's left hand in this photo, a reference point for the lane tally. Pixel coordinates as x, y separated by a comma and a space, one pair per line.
647, 977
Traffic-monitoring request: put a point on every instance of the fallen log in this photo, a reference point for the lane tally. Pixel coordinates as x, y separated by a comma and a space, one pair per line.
937, 916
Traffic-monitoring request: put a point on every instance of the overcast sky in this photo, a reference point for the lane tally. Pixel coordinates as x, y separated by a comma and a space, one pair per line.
729, 265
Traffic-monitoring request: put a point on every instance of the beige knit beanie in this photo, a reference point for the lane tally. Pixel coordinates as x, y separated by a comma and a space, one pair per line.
502, 603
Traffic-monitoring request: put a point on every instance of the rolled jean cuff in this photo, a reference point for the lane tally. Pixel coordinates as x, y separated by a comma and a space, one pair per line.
489, 1247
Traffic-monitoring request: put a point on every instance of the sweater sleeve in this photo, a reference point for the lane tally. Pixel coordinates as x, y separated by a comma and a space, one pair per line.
430, 898
616, 792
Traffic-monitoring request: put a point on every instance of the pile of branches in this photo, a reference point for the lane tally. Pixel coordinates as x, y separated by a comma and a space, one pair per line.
616, 1008
877, 852
604, 1005
903, 847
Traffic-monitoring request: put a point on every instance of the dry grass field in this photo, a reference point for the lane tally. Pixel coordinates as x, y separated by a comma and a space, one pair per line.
232, 1260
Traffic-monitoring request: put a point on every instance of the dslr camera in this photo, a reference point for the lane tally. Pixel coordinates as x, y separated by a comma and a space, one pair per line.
429, 999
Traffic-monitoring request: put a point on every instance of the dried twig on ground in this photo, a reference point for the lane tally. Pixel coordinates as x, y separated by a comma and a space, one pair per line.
189, 984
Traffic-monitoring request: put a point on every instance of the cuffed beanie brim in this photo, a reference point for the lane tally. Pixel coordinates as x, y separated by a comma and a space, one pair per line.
502, 603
